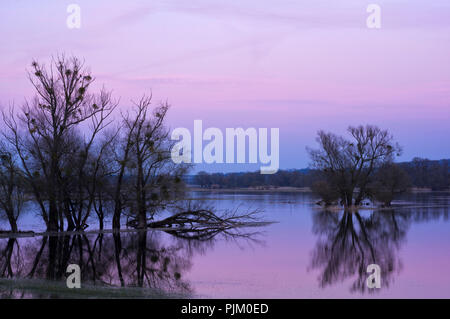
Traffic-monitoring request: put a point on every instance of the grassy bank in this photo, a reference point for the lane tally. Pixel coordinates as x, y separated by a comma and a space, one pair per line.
252, 189
32, 288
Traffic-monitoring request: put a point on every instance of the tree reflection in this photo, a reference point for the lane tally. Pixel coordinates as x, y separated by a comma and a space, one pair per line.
153, 259
6, 255
350, 241
148, 259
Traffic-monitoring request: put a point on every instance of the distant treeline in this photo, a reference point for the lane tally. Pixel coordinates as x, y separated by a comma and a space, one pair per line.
423, 173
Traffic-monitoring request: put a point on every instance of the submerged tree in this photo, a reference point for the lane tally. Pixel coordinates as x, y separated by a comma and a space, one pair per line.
349, 164
12, 187
47, 139
147, 180
389, 180
61, 149
327, 192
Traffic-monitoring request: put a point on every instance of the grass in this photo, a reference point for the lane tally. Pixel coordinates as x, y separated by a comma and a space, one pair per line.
58, 289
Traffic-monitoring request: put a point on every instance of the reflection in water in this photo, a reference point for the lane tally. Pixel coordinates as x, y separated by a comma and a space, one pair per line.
154, 259
343, 245
350, 241
6, 254
132, 259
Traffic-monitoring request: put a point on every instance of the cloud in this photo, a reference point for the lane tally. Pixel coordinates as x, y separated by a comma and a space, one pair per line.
132, 16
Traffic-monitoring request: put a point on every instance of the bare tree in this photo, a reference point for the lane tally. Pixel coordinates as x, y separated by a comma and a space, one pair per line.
327, 192
12, 188
350, 164
390, 180
46, 136
143, 158
74, 163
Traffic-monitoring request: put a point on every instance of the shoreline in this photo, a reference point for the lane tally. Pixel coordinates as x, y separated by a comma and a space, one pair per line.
287, 189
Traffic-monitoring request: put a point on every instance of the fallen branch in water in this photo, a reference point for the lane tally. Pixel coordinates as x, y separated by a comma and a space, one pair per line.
203, 223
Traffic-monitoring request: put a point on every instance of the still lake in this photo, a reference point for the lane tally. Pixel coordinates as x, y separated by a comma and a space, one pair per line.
306, 253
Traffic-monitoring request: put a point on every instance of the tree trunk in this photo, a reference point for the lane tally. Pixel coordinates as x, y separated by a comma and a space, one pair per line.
142, 211
349, 199
116, 216
12, 223
52, 217
100, 222
142, 220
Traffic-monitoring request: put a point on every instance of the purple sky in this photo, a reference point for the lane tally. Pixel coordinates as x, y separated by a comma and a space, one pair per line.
297, 65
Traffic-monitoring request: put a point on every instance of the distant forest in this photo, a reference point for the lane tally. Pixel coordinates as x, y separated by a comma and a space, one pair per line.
423, 173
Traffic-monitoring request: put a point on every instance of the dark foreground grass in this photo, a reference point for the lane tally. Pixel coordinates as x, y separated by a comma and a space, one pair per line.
36, 288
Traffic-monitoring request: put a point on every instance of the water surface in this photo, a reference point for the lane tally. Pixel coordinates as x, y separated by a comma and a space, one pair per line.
307, 253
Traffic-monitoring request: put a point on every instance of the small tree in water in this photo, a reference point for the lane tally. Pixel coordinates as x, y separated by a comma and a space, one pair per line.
148, 181
389, 180
327, 192
12, 190
350, 164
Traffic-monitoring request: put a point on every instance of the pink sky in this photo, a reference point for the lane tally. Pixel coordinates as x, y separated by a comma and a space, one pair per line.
297, 65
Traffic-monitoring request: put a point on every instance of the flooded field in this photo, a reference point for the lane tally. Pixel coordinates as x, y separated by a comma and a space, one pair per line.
306, 253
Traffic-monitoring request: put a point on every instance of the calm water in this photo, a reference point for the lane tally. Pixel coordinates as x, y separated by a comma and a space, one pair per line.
307, 253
